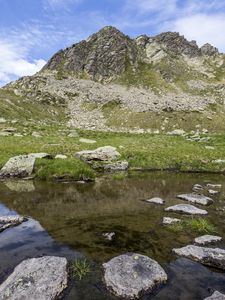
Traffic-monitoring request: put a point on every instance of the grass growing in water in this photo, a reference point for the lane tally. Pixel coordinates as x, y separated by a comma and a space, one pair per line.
80, 268
200, 225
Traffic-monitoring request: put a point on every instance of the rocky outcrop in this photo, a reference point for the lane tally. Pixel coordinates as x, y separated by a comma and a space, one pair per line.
196, 198
36, 278
213, 257
186, 209
208, 49
130, 275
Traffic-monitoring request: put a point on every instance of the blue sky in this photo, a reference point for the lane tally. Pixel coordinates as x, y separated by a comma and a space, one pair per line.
31, 31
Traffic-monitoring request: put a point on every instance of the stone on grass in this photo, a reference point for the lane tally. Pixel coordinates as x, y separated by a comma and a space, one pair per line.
170, 221
10, 221
36, 278
18, 166
106, 153
186, 209
176, 132
131, 275
117, 166
196, 198
61, 156
214, 257
155, 200
216, 296
87, 141
207, 239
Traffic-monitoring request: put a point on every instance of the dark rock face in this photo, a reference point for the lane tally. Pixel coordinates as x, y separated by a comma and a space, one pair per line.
104, 54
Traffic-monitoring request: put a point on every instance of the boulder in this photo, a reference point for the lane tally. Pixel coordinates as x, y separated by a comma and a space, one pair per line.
196, 198
36, 278
214, 257
170, 221
130, 275
18, 166
106, 153
207, 239
10, 221
155, 200
186, 209
216, 296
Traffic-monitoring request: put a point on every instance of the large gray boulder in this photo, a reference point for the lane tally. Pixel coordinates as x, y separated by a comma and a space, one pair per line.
207, 239
186, 209
214, 257
196, 198
216, 296
18, 166
10, 221
107, 153
130, 275
37, 279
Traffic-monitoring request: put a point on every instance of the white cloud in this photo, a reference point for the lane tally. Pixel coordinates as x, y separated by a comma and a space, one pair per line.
203, 28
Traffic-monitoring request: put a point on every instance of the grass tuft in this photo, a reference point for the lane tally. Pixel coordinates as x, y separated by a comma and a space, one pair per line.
200, 225
80, 268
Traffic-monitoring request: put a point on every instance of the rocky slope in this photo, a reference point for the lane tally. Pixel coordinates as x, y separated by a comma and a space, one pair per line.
113, 82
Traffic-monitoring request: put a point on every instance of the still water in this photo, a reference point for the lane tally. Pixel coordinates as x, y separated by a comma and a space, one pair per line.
68, 219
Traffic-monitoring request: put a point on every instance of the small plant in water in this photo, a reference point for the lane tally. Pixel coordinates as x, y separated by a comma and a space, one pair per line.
201, 225
80, 268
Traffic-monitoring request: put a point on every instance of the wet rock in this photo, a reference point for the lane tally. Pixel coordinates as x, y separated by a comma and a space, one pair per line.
214, 257
87, 141
212, 192
109, 235
36, 278
216, 296
117, 166
170, 221
214, 186
131, 274
196, 198
106, 153
60, 156
207, 239
10, 221
186, 209
155, 200
18, 166
197, 188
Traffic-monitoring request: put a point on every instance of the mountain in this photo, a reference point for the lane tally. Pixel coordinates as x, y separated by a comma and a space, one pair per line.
113, 82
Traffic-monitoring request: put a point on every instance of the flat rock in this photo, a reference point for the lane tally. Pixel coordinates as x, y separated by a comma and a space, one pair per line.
18, 166
196, 198
106, 153
197, 188
60, 156
155, 200
87, 141
169, 221
131, 274
187, 209
207, 239
41, 278
117, 166
214, 257
213, 192
216, 296
214, 186
10, 221
41, 155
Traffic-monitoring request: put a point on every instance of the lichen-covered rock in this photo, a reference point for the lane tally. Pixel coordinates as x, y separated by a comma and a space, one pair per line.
130, 275
186, 209
10, 221
107, 153
196, 198
36, 278
18, 166
216, 296
207, 239
214, 257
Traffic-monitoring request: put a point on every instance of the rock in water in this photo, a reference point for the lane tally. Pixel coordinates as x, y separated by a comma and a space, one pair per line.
18, 166
214, 257
216, 296
207, 239
195, 198
129, 275
187, 209
169, 221
155, 200
10, 221
36, 278
106, 153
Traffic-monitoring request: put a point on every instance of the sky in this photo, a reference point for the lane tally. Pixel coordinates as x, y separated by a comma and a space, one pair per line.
31, 31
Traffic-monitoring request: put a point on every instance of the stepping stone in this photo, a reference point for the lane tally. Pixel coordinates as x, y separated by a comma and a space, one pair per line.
109, 235
36, 278
155, 200
129, 275
169, 221
213, 192
195, 198
214, 257
10, 221
186, 209
216, 296
197, 188
207, 239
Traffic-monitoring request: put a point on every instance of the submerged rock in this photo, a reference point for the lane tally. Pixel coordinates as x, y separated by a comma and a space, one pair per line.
155, 200
207, 239
216, 296
196, 198
214, 257
10, 221
106, 153
187, 209
36, 278
18, 166
169, 221
130, 275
